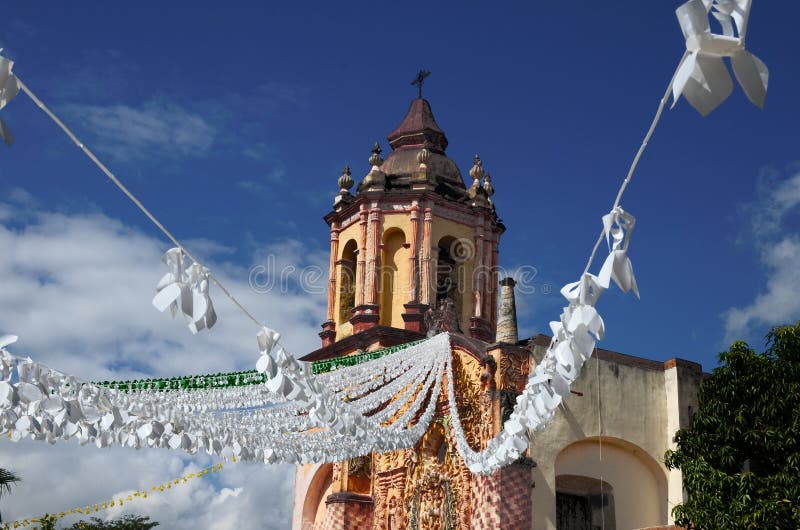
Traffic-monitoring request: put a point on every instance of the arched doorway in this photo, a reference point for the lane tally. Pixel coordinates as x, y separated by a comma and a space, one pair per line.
633, 484
584, 503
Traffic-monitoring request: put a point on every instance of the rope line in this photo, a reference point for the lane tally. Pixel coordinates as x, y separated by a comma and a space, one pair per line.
600, 440
620, 193
88, 152
635, 163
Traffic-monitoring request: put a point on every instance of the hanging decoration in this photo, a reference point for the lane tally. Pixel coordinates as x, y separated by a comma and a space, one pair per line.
287, 411
120, 500
9, 87
185, 288
618, 225
292, 417
702, 77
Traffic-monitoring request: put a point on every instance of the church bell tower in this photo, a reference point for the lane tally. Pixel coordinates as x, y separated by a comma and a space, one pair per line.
414, 252
413, 246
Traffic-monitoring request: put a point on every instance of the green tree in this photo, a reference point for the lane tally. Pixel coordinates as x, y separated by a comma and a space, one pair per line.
7, 478
740, 456
126, 522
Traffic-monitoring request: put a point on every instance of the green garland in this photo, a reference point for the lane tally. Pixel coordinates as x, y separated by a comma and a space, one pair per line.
321, 367
245, 378
188, 382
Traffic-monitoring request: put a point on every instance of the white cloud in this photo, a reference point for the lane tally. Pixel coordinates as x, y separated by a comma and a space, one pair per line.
157, 127
779, 303
779, 250
775, 200
77, 289
57, 478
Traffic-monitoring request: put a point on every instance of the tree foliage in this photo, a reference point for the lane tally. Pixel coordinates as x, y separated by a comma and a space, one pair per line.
7, 478
740, 456
126, 522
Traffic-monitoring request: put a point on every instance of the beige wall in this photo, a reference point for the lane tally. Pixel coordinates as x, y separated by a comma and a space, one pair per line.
640, 407
683, 386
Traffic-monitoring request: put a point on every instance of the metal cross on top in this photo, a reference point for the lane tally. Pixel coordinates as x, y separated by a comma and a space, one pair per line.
419, 80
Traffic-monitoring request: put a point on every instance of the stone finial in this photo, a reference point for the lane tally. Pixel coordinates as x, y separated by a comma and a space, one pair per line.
477, 170
422, 158
346, 181
487, 185
375, 179
507, 313
376, 159
476, 192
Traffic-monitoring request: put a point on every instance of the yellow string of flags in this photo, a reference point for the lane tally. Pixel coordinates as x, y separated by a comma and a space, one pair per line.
115, 501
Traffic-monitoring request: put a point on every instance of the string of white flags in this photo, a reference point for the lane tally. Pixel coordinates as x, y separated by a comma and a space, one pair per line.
382, 405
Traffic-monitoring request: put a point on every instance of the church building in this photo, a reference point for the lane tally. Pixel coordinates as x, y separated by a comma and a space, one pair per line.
414, 252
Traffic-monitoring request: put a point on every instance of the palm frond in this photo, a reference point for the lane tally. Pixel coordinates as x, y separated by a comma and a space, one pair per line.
6, 479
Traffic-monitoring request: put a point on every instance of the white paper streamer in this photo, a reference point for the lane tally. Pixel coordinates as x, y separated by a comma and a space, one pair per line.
9, 87
618, 225
702, 77
185, 288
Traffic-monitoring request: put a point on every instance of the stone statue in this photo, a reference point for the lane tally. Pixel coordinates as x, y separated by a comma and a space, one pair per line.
442, 319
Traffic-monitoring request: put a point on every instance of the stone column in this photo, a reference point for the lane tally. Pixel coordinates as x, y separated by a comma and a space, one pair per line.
478, 272
328, 333
492, 294
488, 284
480, 322
365, 314
414, 316
413, 272
507, 318
373, 257
425, 276
362, 256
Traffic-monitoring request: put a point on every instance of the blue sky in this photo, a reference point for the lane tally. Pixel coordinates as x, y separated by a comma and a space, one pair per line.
232, 122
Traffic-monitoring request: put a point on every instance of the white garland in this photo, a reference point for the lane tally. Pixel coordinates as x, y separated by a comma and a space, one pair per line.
572, 345
44, 404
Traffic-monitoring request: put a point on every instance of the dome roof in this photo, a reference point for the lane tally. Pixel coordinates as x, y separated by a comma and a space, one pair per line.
416, 132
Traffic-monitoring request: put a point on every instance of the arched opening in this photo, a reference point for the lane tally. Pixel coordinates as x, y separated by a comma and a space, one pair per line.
347, 280
634, 486
584, 503
393, 293
314, 508
450, 272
